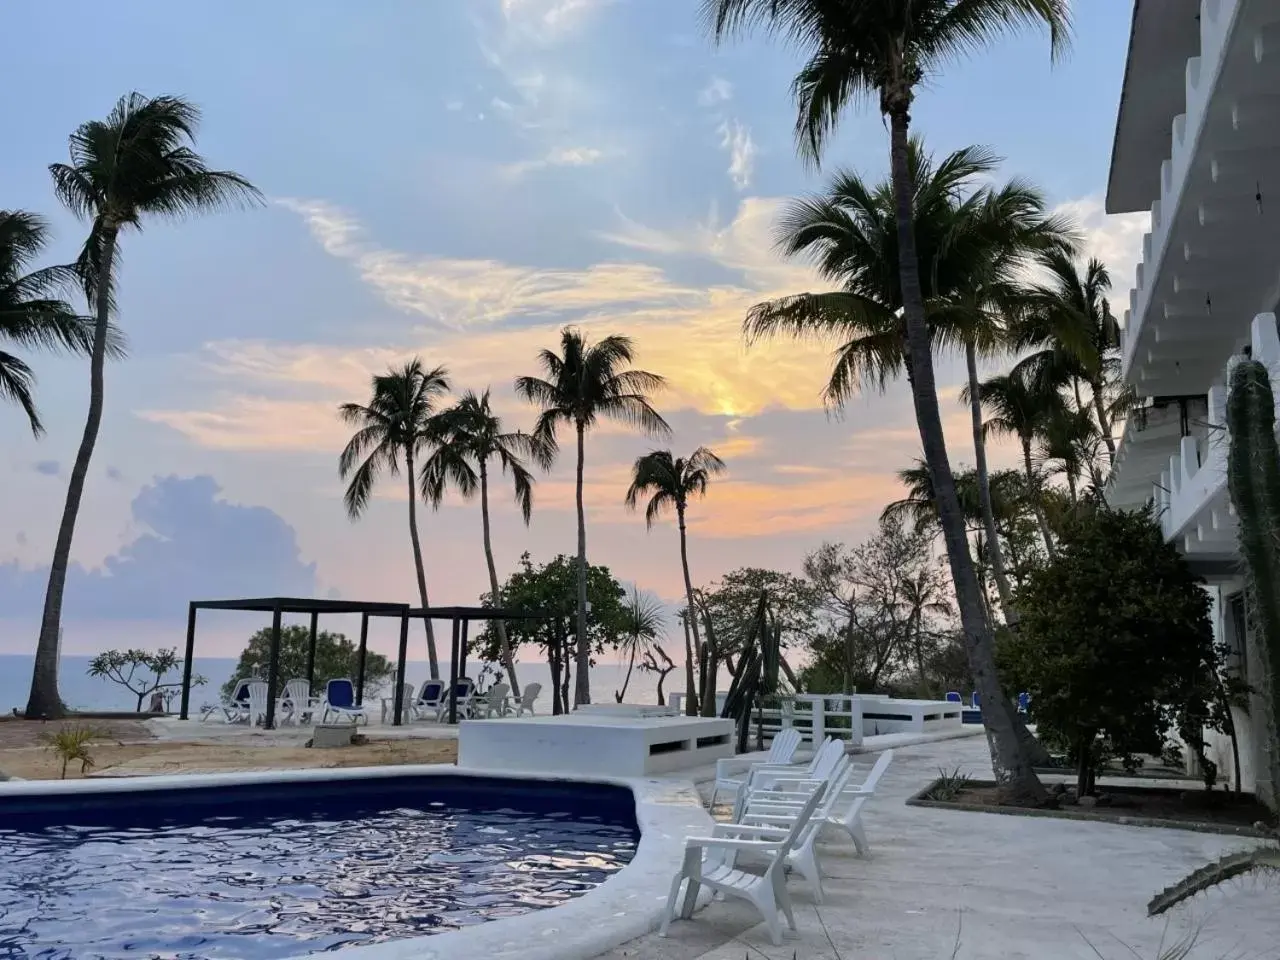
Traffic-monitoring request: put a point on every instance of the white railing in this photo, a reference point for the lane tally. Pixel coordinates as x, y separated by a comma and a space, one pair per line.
1198, 471
816, 716
1216, 20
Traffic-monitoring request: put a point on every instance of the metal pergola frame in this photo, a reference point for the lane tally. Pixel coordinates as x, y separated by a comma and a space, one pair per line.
461, 619
277, 606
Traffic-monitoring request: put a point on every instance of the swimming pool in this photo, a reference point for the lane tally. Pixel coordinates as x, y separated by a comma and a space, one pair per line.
270, 870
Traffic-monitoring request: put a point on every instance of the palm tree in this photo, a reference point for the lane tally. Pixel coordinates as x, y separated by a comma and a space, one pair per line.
468, 436
1071, 321
669, 483
394, 429
884, 49
582, 384
136, 164
32, 314
1020, 405
643, 617
1069, 445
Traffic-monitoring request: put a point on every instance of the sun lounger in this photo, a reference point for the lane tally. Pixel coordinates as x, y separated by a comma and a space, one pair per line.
340, 700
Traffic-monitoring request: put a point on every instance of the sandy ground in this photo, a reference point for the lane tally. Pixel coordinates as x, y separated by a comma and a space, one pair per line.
126, 748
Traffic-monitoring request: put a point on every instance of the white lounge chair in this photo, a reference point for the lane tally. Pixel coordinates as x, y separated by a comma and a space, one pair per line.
731, 779
796, 778
465, 690
340, 700
712, 861
234, 709
257, 702
406, 702
527, 699
493, 703
427, 704
297, 703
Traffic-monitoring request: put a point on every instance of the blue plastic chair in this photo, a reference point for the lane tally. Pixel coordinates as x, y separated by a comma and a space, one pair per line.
953, 696
340, 700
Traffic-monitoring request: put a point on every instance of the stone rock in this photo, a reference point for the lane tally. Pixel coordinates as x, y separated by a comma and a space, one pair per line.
1087, 802
332, 735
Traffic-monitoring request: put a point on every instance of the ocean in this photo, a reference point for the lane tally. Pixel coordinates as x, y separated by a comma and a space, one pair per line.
83, 692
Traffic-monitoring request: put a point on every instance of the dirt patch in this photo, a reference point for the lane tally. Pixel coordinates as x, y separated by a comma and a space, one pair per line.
141, 759
30, 733
1216, 812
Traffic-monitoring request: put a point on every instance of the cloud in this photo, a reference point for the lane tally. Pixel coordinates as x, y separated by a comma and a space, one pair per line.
453, 106
556, 157
546, 21
1116, 240
48, 468
736, 139
198, 547
718, 90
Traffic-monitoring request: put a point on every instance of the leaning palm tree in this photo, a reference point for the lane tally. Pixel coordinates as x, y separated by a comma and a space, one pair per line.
33, 314
468, 438
642, 619
394, 429
884, 50
583, 383
1021, 406
670, 483
135, 165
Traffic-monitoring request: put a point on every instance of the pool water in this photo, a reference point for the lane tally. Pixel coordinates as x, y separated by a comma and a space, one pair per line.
294, 868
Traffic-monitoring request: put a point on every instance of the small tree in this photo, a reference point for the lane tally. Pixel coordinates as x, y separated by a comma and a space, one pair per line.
72, 743
1115, 641
141, 672
336, 657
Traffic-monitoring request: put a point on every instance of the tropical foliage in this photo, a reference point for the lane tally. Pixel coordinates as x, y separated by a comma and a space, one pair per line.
142, 672
336, 657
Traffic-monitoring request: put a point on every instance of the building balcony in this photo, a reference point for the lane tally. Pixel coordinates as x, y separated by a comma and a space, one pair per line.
1190, 454
1212, 257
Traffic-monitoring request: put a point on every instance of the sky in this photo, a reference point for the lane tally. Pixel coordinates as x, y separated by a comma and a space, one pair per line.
457, 181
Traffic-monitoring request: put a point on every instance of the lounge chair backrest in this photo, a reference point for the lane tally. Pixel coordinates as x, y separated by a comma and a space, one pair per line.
257, 691
298, 692
432, 693
498, 694
242, 691
797, 828
976, 700
340, 693
784, 745
530, 694
824, 762
464, 688
953, 696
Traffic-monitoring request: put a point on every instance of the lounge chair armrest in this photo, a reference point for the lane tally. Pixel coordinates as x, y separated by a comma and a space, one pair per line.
730, 831
726, 843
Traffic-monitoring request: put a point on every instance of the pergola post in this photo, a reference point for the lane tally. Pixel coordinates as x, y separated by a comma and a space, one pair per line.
453, 673
462, 649
364, 646
404, 652
273, 671
311, 650
186, 662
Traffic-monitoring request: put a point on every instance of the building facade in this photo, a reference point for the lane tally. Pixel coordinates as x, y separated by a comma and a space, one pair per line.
1198, 144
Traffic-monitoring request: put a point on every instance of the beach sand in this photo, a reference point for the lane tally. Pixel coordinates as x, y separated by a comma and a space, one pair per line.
127, 748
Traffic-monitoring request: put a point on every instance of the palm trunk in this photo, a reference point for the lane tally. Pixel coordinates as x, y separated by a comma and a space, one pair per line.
1033, 487
691, 619
1100, 409
621, 695
984, 488
582, 692
1018, 779
44, 700
504, 648
419, 568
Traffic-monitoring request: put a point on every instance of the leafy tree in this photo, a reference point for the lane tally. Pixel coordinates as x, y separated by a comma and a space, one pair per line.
336, 657
582, 384
469, 436
136, 165
394, 428
141, 672
32, 313
670, 483
1115, 641
550, 589
883, 50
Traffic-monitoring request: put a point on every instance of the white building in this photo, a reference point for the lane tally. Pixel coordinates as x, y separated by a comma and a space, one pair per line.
1198, 144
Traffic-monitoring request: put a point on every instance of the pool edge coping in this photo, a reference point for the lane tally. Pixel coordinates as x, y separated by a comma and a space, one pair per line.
626, 906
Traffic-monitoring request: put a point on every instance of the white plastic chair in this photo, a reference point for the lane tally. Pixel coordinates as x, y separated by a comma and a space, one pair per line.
298, 706
257, 702
781, 752
427, 704
527, 699
406, 703
235, 709
795, 778
494, 702
711, 861
465, 690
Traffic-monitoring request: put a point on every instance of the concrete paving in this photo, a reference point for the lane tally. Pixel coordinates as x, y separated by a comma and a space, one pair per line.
945, 884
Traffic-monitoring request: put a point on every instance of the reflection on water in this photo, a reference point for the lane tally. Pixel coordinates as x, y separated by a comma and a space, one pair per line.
262, 888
